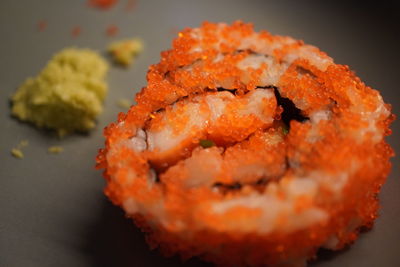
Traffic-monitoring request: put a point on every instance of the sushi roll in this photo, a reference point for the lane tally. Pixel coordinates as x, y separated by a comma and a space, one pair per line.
248, 149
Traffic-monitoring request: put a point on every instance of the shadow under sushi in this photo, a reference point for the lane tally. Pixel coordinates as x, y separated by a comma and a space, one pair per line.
325, 255
113, 240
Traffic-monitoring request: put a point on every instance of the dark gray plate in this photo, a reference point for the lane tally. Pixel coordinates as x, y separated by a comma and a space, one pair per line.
53, 212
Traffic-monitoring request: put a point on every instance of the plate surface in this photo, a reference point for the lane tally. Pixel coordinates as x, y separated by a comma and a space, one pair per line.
53, 212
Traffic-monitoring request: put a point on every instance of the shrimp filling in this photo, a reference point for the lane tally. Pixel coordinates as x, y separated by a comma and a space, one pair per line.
221, 139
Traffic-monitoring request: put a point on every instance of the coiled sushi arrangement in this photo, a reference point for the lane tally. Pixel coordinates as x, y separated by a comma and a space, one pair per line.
248, 149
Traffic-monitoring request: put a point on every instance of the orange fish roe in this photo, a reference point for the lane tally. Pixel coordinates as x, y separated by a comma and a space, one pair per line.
76, 31
112, 30
131, 5
102, 4
248, 149
42, 25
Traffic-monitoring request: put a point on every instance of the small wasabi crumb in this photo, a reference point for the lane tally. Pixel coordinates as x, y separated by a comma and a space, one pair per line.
205, 143
124, 103
55, 149
124, 51
17, 153
23, 143
67, 95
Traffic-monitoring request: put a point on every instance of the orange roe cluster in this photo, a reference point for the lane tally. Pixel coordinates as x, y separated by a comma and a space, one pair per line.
76, 31
112, 30
42, 25
102, 4
261, 193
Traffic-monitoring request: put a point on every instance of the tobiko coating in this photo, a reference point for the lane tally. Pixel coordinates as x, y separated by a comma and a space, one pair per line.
248, 149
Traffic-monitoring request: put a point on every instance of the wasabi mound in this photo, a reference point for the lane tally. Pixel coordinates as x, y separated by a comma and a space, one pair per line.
125, 51
67, 95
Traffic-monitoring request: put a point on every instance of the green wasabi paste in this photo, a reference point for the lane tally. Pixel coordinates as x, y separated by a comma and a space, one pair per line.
67, 95
124, 51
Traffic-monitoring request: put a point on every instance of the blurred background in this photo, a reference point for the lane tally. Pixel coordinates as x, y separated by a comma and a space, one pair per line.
53, 212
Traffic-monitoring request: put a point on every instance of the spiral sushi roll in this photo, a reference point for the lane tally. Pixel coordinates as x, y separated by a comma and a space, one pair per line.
248, 149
